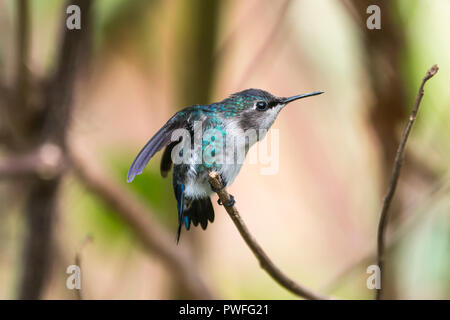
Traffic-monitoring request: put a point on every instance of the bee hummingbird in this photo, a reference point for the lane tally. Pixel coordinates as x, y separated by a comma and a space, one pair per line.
222, 127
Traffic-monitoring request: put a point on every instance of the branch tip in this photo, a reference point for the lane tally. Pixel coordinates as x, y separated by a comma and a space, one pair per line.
383, 222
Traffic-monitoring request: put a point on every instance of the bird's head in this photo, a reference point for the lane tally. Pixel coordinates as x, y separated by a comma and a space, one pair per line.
258, 109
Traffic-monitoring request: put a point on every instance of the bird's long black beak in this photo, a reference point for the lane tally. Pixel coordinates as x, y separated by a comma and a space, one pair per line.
300, 96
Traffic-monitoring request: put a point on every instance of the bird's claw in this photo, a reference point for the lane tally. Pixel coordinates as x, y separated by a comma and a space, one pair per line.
229, 203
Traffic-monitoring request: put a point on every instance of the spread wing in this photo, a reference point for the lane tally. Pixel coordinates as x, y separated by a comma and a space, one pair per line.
156, 143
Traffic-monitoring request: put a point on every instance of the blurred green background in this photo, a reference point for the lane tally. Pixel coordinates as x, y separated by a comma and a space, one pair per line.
317, 217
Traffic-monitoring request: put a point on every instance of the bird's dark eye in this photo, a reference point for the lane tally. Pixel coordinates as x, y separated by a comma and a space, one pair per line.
261, 105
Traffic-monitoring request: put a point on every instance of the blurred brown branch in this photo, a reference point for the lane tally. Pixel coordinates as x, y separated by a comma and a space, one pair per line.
88, 239
47, 124
22, 73
394, 177
42, 159
383, 57
46, 162
264, 260
18, 166
195, 39
155, 238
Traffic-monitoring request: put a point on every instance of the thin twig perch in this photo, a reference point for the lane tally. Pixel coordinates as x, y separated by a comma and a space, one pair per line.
264, 260
402, 227
394, 177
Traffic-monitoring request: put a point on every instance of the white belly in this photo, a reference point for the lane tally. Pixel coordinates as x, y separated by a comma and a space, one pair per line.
198, 186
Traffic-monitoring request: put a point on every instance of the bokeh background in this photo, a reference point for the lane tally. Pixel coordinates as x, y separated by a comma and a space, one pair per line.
140, 61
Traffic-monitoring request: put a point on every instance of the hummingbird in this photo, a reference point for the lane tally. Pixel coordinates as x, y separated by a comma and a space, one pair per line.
252, 110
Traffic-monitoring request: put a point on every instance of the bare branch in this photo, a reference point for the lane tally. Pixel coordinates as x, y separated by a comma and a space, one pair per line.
155, 239
264, 260
394, 178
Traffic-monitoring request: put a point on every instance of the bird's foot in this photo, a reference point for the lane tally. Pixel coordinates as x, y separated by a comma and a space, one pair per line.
229, 203
223, 185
